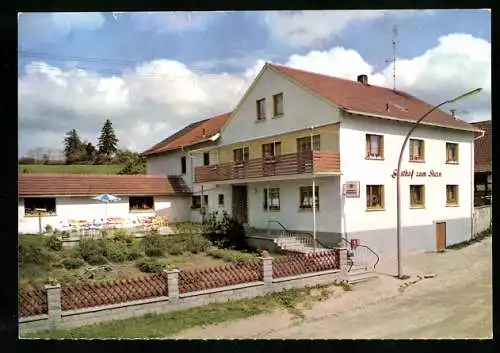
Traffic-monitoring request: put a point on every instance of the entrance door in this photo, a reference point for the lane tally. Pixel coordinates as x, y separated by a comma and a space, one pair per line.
440, 236
240, 206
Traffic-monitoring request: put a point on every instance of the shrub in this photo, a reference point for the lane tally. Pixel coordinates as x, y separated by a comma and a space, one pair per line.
33, 254
54, 243
154, 245
116, 251
72, 263
133, 254
48, 228
230, 255
91, 248
197, 243
123, 236
224, 231
96, 259
150, 266
175, 249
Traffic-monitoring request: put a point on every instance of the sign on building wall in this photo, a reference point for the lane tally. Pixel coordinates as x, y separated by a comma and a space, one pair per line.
351, 189
419, 174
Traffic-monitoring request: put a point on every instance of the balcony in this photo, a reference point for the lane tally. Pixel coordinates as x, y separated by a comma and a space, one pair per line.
288, 164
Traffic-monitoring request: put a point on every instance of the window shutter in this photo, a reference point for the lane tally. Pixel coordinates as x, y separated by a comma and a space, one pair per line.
381, 146
367, 145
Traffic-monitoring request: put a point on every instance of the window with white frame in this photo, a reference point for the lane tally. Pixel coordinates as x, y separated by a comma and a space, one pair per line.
374, 146
417, 196
278, 104
141, 203
452, 195
306, 197
451, 152
272, 200
46, 206
374, 197
417, 150
261, 109
271, 150
240, 155
304, 144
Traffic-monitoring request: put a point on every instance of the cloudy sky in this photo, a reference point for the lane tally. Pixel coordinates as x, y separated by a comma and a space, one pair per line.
153, 73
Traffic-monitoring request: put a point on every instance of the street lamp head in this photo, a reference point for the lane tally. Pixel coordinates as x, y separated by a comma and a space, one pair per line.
467, 94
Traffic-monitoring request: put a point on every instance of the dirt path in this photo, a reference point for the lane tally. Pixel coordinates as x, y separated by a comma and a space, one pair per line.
456, 303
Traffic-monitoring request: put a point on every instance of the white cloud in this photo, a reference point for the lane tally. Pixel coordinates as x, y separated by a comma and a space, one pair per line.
145, 105
308, 28
159, 97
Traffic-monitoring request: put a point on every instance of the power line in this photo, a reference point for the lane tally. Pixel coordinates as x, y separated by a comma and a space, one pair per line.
121, 72
115, 62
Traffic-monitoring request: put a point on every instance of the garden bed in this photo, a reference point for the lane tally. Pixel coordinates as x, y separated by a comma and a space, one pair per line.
42, 260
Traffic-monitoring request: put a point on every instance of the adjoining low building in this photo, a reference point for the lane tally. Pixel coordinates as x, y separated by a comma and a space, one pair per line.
173, 156
66, 197
482, 165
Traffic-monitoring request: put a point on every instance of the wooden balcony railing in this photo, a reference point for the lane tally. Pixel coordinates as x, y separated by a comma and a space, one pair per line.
288, 164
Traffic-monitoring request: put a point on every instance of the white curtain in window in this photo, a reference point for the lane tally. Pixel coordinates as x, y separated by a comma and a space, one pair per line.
374, 144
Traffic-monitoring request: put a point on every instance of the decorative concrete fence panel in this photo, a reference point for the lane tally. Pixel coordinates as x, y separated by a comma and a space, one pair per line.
197, 279
32, 302
299, 264
105, 293
482, 219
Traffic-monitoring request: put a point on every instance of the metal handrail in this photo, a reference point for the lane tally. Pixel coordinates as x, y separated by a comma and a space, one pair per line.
366, 247
301, 232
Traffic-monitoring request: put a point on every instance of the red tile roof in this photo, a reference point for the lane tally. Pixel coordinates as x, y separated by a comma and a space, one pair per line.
194, 133
369, 99
482, 148
92, 185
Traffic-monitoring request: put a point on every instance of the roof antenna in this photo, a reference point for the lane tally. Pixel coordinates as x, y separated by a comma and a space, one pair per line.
393, 59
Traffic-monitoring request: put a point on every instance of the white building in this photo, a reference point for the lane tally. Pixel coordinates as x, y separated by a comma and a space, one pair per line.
67, 198
356, 131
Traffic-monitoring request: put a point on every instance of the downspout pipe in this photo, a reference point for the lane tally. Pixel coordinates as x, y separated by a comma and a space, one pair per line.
472, 235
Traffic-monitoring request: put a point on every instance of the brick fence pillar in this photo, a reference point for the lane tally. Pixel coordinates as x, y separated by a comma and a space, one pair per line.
267, 269
54, 304
173, 285
344, 266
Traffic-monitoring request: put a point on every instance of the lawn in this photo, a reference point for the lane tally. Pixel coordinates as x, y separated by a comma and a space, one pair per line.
168, 324
70, 169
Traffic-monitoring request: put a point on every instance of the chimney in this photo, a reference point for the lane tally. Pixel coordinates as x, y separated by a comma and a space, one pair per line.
363, 79
203, 133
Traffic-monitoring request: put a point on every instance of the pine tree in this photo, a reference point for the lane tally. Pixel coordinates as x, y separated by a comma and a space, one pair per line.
72, 146
107, 141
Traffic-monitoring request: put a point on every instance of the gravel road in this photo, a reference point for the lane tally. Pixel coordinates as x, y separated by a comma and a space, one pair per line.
455, 303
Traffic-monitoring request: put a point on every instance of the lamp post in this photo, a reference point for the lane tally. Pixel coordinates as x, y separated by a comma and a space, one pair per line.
398, 180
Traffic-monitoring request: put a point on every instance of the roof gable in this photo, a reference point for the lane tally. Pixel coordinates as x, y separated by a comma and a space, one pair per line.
194, 133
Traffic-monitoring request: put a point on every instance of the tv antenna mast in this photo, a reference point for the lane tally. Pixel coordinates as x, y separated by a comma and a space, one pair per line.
393, 59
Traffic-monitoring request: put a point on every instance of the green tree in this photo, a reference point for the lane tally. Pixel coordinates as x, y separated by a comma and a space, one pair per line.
91, 151
133, 163
108, 141
73, 147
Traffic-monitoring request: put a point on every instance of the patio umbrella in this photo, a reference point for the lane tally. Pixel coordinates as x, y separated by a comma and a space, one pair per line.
106, 198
